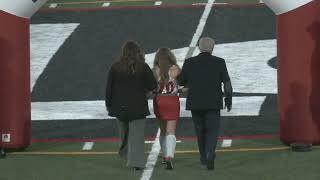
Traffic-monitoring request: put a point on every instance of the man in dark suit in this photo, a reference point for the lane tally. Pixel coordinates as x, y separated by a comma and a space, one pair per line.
204, 75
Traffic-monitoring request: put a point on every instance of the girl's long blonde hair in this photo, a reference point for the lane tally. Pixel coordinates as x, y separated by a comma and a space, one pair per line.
164, 59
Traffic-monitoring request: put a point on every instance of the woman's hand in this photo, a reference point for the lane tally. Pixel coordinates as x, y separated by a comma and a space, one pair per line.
183, 89
174, 71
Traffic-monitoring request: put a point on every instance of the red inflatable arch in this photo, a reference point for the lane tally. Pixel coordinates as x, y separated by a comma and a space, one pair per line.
298, 69
298, 33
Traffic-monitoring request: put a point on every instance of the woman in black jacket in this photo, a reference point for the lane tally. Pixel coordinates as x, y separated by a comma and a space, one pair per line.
129, 81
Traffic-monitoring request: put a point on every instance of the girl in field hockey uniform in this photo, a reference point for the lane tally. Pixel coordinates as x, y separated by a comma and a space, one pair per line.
166, 102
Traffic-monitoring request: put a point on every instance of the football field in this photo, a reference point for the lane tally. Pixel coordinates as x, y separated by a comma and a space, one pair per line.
247, 159
75, 42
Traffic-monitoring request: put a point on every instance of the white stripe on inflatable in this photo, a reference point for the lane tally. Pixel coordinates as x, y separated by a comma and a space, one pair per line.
21, 8
283, 6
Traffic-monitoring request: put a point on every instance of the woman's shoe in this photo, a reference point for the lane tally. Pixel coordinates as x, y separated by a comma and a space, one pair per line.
163, 160
169, 163
138, 168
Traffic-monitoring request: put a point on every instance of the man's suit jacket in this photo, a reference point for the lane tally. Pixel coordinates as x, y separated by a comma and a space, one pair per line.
204, 75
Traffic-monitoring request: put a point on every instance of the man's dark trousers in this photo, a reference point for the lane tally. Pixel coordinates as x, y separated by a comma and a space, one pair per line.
207, 125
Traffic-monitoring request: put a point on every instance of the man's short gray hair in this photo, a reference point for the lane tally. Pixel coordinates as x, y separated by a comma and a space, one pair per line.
206, 44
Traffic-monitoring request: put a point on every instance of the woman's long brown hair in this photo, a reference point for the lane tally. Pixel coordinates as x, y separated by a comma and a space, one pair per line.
131, 59
164, 59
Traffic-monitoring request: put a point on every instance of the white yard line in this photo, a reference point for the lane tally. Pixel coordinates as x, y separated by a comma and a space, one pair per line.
87, 146
157, 3
226, 143
53, 5
151, 142
197, 4
221, 3
76, 110
152, 159
107, 4
201, 25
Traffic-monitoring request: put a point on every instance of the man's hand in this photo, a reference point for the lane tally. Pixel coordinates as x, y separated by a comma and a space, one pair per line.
228, 108
228, 104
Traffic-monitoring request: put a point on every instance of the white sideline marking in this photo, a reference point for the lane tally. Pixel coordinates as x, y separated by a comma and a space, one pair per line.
158, 3
226, 143
151, 142
88, 146
75, 110
45, 40
106, 4
53, 5
152, 158
197, 4
221, 3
